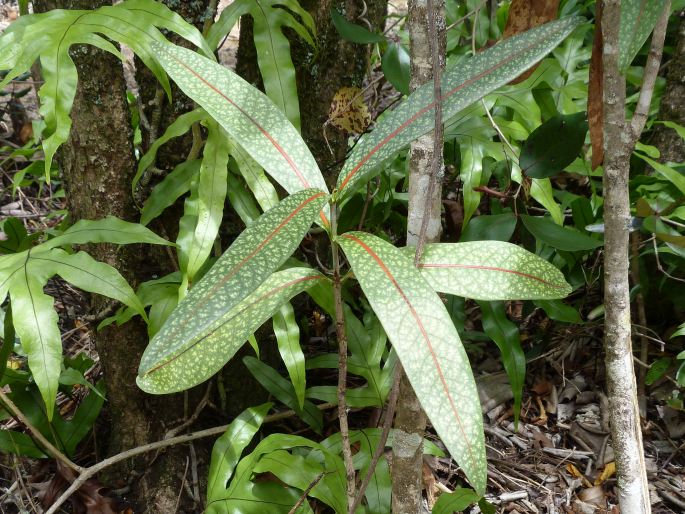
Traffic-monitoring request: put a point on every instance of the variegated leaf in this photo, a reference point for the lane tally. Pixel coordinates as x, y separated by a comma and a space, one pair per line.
247, 115
463, 84
172, 363
490, 270
427, 344
638, 18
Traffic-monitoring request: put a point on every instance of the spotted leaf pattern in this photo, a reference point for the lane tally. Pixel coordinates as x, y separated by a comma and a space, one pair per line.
463, 84
250, 118
424, 337
490, 270
638, 18
200, 353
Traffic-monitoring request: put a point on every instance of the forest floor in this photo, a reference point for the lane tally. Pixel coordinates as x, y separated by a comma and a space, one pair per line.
558, 459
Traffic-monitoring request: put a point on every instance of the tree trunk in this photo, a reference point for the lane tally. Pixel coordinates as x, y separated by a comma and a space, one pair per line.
624, 414
337, 63
98, 164
410, 420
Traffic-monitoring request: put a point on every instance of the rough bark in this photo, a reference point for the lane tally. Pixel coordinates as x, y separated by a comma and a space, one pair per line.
410, 420
336, 63
672, 106
97, 164
626, 432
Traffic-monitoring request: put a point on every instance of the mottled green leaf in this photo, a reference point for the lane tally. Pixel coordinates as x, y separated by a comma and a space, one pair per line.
288, 339
490, 270
106, 230
638, 18
270, 18
427, 344
193, 345
247, 115
227, 449
463, 84
211, 193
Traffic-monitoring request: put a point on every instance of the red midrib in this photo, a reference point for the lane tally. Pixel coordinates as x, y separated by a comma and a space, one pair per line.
262, 297
254, 252
429, 107
419, 323
490, 268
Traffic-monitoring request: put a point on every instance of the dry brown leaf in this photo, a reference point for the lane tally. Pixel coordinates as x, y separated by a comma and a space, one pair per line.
575, 473
595, 102
348, 110
526, 14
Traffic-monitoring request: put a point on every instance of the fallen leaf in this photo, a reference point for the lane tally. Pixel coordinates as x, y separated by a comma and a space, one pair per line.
348, 110
608, 471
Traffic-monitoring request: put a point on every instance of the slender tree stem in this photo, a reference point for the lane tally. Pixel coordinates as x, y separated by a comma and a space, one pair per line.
342, 360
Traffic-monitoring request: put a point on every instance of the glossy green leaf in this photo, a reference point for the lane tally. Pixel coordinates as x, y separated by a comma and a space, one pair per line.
490, 270
561, 238
463, 84
471, 173
259, 498
553, 145
195, 343
506, 336
72, 431
18, 443
680, 130
106, 230
211, 197
270, 18
395, 66
353, 32
49, 36
247, 115
542, 191
427, 344
227, 449
284, 391
288, 339
638, 18
497, 227
559, 311
171, 188
456, 501
673, 176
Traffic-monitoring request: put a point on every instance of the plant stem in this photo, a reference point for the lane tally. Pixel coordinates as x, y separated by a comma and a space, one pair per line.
342, 360
380, 448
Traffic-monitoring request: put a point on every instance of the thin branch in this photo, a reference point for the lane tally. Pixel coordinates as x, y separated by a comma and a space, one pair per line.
637, 124
380, 448
342, 360
35, 433
304, 494
436, 163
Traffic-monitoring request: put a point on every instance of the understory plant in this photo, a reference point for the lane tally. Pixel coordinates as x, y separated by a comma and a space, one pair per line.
251, 281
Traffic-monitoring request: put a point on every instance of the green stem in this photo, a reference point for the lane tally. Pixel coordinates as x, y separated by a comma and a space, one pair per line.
7, 341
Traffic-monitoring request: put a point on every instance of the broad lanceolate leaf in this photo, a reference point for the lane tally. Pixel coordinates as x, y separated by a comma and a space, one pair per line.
427, 344
230, 445
562, 238
490, 270
247, 115
49, 36
165, 194
638, 18
463, 84
107, 230
288, 338
194, 345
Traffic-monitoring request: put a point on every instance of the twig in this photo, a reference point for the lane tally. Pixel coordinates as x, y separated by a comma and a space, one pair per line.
188, 422
380, 448
86, 473
342, 361
637, 124
436, 163
37, 435
183, 480
304, 494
